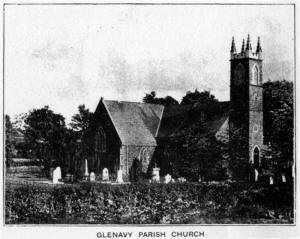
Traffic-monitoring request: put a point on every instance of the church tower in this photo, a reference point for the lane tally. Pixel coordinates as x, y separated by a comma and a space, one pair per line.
246, 97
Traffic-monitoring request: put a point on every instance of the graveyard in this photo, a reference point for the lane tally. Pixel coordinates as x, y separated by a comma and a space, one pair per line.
32, 198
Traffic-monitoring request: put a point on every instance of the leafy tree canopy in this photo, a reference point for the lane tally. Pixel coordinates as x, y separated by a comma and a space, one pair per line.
81, 120
45, 134
279, 119
166, 101
202, 97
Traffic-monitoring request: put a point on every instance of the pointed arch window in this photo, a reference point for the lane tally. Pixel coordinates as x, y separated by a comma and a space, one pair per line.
100, 140
255, 75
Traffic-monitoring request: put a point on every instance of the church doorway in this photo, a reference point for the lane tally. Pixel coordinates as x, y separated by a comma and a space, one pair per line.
135, 170
256, 157
256, 163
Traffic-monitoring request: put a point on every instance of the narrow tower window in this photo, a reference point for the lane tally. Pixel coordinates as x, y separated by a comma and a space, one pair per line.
255, 76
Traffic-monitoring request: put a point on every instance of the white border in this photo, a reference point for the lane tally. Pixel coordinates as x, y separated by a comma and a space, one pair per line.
210, 231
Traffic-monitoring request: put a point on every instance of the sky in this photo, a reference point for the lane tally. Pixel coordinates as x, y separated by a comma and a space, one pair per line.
67, 55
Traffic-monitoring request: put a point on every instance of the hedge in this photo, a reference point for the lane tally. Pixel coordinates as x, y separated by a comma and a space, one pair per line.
177, 203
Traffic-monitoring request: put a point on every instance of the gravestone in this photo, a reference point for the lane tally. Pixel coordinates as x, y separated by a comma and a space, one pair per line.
155, 175
283, 178
271, 180
92, 177
168, 178
105, 174
56, 175
86, 171
181, 180
256, 175
120, 176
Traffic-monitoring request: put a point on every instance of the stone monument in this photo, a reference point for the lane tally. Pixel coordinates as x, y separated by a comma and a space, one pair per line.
168, 178
56, 175
155, 174
105, 174
283, 178
271, 180
86, 172
256, 175
120, 176
92, 177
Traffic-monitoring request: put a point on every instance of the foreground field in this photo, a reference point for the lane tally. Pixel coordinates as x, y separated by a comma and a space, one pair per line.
149, 204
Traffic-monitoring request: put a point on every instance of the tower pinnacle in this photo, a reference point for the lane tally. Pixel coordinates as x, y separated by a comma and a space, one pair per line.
248, 46
243, 47
233, 49
258, 48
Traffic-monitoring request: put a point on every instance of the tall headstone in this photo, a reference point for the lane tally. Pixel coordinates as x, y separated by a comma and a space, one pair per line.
155, 174
105, 174
86, 171
56, 175
256, 175
120, 176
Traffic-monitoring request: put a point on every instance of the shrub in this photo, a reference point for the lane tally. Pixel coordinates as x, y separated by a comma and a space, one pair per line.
143, 203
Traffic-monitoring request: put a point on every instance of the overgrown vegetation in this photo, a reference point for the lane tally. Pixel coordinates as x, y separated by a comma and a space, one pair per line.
150, 203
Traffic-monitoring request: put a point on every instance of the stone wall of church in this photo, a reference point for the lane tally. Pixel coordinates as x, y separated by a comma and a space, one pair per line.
129, 153
110, 158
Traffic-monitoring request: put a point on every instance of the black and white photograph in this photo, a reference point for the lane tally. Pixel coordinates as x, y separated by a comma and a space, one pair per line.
149, 114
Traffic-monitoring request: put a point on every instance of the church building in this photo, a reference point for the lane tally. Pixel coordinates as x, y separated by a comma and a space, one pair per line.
127, 134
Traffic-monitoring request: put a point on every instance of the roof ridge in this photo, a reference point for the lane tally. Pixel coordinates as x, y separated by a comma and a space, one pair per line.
135, 102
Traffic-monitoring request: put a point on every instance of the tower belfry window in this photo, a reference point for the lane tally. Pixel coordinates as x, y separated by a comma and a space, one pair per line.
255, 76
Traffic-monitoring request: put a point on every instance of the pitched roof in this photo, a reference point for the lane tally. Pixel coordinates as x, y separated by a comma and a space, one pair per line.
135, 123
181, 116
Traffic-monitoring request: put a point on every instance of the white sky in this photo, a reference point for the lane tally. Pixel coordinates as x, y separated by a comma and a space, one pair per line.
63, 56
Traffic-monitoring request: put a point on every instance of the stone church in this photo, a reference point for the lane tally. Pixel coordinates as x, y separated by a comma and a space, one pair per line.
127, 134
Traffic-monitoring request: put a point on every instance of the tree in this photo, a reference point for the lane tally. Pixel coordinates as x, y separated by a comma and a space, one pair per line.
238, 154
279, 121
80, 122
45, 135
9, 147
80, 127
203, 97
166, 101
193, 152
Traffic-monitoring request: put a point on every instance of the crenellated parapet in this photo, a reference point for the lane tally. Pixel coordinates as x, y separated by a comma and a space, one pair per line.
246, 50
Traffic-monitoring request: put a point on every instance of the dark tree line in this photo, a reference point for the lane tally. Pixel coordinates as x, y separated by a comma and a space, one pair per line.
48, 139
194, 151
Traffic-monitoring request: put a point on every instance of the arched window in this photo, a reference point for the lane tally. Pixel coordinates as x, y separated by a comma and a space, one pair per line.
256, 157
100, 144
255, 75
145, 155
